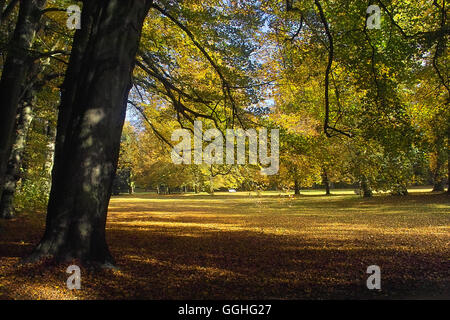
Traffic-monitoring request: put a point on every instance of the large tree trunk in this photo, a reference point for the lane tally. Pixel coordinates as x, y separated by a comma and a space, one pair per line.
90, 121
12, 175
14, 74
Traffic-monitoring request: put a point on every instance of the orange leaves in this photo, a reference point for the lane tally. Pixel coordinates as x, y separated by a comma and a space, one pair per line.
241, 247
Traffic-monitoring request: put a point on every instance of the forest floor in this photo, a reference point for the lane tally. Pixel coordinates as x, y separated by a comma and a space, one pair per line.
236, 246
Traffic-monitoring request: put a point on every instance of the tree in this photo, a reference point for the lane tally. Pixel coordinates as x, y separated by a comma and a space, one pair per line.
367, 79
12, 176
318, 72
90, 120
14, 74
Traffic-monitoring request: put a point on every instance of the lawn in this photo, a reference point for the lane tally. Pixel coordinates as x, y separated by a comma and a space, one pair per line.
241, 246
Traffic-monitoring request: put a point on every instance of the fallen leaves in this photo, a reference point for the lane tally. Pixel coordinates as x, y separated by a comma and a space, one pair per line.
225, 247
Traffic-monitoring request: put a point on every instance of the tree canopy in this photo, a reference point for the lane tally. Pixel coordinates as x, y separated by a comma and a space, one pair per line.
355, 105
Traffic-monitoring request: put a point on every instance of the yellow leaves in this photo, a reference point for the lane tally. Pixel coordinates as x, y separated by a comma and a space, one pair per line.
297, 123
237, 246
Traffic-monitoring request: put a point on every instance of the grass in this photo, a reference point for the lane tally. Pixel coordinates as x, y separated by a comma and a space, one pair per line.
236, 246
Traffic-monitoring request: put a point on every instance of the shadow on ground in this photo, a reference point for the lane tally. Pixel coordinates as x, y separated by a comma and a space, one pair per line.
249, 248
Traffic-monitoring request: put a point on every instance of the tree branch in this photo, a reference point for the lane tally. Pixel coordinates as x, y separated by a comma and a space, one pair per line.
8, 10
226, 88
157, 133
326, 125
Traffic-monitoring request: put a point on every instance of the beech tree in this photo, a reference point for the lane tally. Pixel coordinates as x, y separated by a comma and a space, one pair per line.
325, 73
14, 73
94, 97
90, 120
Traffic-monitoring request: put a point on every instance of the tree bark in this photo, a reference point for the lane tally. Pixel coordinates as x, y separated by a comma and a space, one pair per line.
366, 190
438, 178
14, 74
448, 162
90, 121
12, 175
211, 185
50, 155
5, 12
439, 185
400, 189
2, 6
448, 158
296, 187
326, 182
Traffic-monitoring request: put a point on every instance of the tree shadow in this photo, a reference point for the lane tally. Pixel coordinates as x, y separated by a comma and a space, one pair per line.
171, 251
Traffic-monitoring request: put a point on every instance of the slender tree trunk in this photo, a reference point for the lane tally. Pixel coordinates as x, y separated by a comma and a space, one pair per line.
23, 120
366, 190
326, 182
448, 158
12, 176
448, 155
49, 157
439, 184
211, 185
438, 179
14, 74
50, 154
90, 120
327, 188
296, 187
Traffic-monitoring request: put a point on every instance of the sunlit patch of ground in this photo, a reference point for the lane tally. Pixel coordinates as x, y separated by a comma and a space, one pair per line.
244, 246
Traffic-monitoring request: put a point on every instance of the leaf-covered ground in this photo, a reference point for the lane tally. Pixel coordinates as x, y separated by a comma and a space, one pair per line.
232, 246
